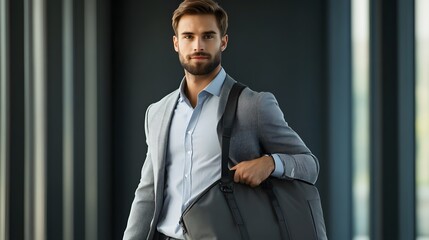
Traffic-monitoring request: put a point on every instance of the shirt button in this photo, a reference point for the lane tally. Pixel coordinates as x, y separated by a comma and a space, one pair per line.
189, 152
189, 132
186, 175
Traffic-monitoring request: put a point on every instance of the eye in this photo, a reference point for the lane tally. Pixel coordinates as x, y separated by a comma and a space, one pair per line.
187, 36
208, 36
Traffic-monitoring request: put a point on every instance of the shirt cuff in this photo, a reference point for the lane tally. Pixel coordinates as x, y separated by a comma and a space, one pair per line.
279, 168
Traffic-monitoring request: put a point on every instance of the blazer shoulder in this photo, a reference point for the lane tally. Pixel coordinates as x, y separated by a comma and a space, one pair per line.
253, 97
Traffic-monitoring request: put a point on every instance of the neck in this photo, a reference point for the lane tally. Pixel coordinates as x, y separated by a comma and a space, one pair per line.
196, 83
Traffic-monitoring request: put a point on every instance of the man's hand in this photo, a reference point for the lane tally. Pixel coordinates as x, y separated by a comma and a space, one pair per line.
254, 172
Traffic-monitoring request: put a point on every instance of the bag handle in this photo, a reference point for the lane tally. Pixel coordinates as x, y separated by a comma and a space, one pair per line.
228, 122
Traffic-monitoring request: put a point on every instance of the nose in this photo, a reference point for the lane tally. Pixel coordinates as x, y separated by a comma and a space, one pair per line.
198, 45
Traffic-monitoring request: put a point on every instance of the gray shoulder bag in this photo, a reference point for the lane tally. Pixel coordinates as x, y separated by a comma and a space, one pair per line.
277, 209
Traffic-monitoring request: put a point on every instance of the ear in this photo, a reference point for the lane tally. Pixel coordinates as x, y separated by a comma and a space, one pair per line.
224, 43
176, 43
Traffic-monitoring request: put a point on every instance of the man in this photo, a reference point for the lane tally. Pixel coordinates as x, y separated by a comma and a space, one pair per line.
182, 131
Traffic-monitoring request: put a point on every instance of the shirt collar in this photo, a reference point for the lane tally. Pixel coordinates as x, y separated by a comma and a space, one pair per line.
213, 88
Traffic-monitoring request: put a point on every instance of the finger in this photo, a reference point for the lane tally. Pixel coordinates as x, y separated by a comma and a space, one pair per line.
236, 177
253, 183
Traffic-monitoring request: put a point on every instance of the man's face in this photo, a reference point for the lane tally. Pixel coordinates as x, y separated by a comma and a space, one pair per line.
199, 43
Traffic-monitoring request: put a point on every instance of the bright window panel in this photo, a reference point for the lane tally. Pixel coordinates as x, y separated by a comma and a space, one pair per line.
361, 150
422, 118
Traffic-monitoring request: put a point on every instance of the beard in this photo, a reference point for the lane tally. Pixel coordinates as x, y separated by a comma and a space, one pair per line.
200, 68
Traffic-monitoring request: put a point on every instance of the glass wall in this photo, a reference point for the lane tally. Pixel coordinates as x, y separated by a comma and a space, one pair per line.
360, 89
422, 118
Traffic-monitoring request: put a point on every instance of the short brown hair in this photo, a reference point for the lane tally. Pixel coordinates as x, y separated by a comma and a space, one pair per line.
195, 7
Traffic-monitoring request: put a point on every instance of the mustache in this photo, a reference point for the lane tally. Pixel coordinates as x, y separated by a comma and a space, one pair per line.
199, 54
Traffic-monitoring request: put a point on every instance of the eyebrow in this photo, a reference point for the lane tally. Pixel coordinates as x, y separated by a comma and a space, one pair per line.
191, 33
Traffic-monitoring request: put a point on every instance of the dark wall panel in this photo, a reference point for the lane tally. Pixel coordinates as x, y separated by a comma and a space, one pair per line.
17, 122
54, 96
278, 47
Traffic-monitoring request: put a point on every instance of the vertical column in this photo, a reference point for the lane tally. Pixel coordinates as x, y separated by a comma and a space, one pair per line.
104, 186
406, 121
91, 113
376, 195
384, 121
39, 129
4, 121
28, 83
68, 120
339, 212
392, 121
35, 84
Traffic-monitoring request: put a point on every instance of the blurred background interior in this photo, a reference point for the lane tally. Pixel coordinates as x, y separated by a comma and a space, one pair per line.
76, 76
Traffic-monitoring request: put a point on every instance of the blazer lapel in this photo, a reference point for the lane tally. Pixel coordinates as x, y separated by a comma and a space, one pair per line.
163, 132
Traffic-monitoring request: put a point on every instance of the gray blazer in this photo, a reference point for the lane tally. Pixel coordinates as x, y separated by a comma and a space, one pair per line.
259, 129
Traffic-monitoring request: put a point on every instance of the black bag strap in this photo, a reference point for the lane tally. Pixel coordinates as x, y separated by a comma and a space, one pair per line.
227, 175
226, 180
228, 122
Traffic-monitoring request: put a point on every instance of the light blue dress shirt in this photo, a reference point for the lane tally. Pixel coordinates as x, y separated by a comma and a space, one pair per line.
193, 154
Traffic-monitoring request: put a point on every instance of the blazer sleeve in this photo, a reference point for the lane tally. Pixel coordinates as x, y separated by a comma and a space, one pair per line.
277, 137
143, 206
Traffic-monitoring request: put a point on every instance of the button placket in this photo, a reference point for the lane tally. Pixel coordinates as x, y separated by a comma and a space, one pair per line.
187, 181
